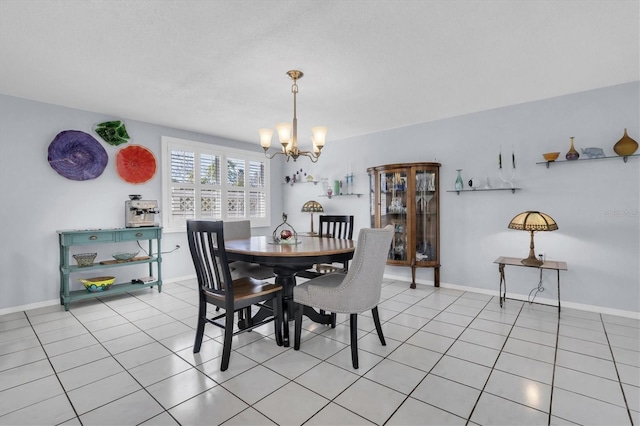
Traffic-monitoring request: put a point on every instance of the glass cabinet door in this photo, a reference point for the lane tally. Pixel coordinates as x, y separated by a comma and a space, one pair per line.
426, 220
393, 211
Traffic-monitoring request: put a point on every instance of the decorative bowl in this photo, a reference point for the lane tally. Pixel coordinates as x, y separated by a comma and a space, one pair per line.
551, 156
96, 284
85, 259
124, 255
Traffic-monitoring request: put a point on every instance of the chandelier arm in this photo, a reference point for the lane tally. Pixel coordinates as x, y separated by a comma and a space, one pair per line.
270, 157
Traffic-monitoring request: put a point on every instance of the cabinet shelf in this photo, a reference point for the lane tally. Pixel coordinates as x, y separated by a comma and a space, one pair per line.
98, 265
114, 289
513, 190
580, 160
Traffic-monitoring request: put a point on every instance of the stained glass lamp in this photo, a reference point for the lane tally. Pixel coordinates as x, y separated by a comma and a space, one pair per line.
312, 207
533, 221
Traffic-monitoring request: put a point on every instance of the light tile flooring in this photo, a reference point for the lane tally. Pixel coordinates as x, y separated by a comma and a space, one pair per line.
452, 358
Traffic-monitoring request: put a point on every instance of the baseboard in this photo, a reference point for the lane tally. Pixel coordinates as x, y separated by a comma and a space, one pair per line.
523, 297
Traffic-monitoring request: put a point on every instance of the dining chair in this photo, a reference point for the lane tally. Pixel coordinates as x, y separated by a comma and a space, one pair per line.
217, 288
331, 226
352, 293
241, 230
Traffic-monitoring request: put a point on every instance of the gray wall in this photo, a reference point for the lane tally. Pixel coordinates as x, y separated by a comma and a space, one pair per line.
37, 201
595, 203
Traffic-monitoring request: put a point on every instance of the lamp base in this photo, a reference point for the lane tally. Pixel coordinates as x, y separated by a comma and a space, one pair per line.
531, 262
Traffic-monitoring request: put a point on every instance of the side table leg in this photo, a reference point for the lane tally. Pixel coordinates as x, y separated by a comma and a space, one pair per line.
558, 293
502, 295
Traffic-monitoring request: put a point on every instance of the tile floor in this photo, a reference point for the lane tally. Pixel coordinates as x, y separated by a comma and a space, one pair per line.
452, 358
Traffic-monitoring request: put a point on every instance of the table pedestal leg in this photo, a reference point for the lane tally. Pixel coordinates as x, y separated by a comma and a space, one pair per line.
286, 277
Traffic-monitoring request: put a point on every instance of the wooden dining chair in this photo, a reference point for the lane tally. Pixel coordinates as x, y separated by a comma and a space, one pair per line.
352, 293
333, 226
217, 288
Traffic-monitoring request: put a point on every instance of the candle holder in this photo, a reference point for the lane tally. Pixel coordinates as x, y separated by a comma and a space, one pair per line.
349, 183
512, 175
508, 179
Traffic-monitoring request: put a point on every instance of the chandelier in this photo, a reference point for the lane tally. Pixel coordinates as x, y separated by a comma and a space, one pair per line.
289, 139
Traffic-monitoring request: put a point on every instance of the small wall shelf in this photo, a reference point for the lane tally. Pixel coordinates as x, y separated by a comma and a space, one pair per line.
340, 195
624, 158
513, 190
315, 182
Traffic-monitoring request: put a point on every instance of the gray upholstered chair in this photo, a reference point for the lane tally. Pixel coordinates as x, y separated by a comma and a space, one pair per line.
352, 293
241, 230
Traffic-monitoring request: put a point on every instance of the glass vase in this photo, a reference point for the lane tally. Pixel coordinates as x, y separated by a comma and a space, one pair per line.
572, 154
625, 146
459, 185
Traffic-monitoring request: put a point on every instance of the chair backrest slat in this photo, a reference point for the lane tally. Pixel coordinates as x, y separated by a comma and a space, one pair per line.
336, 226
206, 244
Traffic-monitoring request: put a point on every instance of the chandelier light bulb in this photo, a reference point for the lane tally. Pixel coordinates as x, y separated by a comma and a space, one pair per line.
319, 135
265, 137
284, 132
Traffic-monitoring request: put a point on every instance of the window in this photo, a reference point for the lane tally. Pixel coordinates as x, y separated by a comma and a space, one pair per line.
203, 181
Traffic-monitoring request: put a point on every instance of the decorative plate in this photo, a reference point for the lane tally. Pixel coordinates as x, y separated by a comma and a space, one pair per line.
77, 155
113, 132
136, 164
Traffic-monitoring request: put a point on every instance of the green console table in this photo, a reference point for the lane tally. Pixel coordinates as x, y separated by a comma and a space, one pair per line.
68, 238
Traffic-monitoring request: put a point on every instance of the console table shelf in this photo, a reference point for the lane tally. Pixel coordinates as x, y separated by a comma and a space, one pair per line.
69, 238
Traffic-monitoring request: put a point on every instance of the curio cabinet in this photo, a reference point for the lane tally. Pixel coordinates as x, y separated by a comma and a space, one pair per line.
407, 197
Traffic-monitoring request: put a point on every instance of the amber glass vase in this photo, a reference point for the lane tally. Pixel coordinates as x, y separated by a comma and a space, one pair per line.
625, 146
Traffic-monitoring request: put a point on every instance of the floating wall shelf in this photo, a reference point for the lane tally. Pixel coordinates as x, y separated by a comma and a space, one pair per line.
513, 190
580, 160
315, 182
340, 195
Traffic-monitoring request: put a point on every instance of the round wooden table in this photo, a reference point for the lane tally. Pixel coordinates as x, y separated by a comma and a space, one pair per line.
288, 259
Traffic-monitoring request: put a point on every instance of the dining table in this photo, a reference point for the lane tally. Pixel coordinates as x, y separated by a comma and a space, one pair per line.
287, 259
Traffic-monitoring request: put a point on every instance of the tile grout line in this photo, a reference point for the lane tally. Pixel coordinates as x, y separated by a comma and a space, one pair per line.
494, 365
54, 372
615, 365
553, 374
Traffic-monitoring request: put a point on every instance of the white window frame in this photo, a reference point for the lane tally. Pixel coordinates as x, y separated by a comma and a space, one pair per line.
169, 143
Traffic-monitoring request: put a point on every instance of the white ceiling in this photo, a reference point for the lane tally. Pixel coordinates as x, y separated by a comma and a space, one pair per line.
218, 67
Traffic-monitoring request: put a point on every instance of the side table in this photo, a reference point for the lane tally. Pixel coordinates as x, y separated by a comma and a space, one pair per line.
503, 261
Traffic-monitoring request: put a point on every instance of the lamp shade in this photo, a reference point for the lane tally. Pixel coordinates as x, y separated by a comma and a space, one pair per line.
265, 137
312, 207
533, 221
